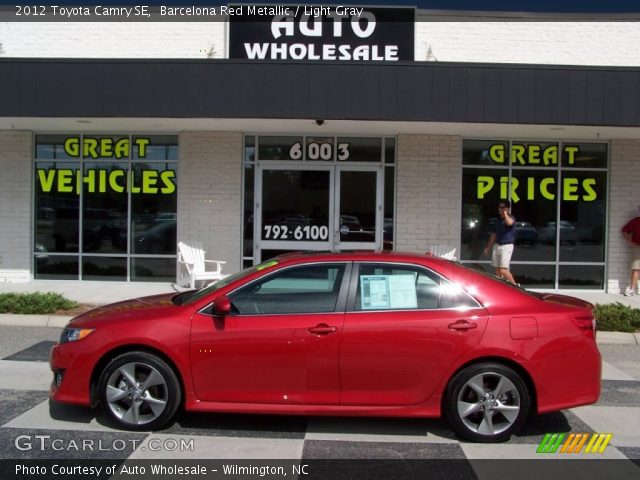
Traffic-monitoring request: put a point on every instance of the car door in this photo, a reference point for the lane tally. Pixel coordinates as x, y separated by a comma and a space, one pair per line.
404, 327
280, 343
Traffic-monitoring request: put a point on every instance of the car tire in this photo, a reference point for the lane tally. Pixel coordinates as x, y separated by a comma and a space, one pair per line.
139, 391
486, 402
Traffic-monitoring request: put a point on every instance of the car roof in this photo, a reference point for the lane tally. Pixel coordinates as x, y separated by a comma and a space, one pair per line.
357, 255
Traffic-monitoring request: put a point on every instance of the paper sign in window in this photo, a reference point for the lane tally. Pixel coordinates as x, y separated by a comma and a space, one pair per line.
375, 292
383, 292
402, 291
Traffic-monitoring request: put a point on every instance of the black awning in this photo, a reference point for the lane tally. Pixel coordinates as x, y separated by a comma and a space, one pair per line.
425, 91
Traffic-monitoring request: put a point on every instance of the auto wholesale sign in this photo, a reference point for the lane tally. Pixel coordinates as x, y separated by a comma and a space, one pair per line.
322, 33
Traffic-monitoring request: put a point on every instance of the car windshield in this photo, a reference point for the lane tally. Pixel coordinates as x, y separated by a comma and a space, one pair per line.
185, 298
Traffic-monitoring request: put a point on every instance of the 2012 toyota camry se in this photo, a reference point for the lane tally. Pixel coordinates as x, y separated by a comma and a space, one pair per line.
378, 334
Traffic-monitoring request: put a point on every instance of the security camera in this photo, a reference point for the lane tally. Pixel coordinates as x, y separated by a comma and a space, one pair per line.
319, 122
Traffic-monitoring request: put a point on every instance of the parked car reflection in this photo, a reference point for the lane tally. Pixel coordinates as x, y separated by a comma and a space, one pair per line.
160, 238
526, 234
568, 234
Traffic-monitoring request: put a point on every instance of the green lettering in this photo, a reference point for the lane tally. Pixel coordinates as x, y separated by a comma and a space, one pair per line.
106, 145
167, 177
90, 148
513, 195
571, 152
484, 185
550, 155
149, 180
531, 188
544, 190
90, 179
122, 148
517, 153
46, 178
591, 194
65, 180
496, 153
72, 146
570, 189
132, 186
142, 146
504, 186
534, 154
113, 183
103, 181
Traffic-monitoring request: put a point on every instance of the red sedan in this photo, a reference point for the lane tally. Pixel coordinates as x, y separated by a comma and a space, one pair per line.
379, 334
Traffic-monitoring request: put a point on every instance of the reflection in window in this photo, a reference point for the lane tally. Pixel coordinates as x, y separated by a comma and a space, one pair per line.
280, 148
308, 289
127, 207
559, 208
359, 149
582, 213
481, 192
306, 219
153, 209
104, 211
57, 207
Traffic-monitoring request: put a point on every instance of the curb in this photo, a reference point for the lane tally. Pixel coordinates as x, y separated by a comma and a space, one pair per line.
618, 338
58, 321
54, 321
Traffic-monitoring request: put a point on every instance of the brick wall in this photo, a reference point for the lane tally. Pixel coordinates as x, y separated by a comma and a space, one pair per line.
429, 176
624, 199
210, 194
113, 40
561, 43
15, 206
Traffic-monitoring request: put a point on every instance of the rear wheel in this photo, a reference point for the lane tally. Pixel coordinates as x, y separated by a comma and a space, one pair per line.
487, 402
139, 391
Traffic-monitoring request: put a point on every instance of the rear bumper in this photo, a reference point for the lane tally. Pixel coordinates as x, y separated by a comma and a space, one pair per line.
571, 381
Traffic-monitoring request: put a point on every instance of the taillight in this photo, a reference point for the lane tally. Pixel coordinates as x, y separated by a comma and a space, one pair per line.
587, 325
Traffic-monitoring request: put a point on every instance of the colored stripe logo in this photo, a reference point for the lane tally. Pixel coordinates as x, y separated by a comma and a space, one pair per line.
574, 443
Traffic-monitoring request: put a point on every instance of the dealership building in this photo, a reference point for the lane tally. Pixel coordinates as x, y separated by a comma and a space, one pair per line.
260, 133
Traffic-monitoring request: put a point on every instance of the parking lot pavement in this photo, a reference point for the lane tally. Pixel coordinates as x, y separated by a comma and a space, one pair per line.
27, 414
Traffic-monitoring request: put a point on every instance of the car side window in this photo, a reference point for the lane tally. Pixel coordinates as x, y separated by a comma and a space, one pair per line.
304, 289
398, 287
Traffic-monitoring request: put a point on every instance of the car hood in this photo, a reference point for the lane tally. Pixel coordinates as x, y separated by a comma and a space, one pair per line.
136, 307
563, 299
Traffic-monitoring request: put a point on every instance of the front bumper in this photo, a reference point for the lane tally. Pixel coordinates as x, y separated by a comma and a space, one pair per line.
74, 362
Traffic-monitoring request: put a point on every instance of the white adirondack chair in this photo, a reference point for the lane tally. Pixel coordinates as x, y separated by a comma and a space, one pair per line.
443, 251
191, 257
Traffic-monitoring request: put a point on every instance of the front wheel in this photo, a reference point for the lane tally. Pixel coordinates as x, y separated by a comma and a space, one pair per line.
139, 391
487, 402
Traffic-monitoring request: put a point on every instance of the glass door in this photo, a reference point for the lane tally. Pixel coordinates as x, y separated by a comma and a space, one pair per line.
317, 208
358, 199
294, 210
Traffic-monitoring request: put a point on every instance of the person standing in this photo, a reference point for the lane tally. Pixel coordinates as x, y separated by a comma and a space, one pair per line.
631, 233
502, 239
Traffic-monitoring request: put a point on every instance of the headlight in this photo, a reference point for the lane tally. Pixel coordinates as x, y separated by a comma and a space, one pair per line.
70, 334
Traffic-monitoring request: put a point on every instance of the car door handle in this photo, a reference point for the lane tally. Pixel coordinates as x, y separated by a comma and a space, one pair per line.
322, 329
462, 325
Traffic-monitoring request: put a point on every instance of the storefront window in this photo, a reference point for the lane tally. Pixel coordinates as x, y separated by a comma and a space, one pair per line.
558, 196
111, 202
280, 148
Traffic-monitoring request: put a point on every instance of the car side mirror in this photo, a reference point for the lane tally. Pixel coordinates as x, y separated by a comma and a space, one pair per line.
222, 306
